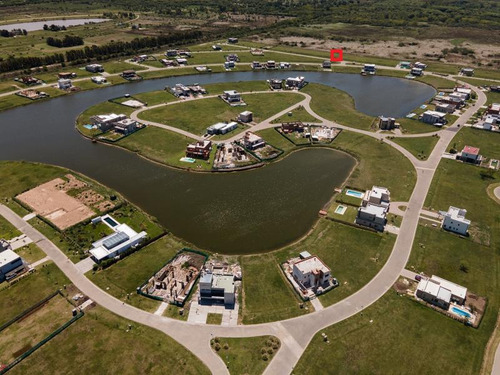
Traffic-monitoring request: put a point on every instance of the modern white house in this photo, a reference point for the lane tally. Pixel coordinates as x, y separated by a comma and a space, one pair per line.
372, 216
369, 69
245, 116
64, 84
217, 288
98, 79
434, 118
312, 274
9, 263
222, 128
417, 72
106, 122
379, 196
420, 65
467, 93
113, 245
252, 141
295, 83
231, 96
440, 292
454, 220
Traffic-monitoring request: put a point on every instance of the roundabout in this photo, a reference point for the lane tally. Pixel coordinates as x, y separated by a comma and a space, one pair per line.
295, 333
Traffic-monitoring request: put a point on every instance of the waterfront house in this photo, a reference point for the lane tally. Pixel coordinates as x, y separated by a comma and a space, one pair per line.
386, 123
467, 72
64, 84
327, 64
256, 65
252, 141
98, 79
229, 64
379, 196
271, 64
94, 68
312, 274
295, 83
231, 96
123, 239
470, 154
284, 65
420, 65
417, 72
369, 69
445, 108
245, 116
276, 84
10, 264
454, 220
372, 216
106, 122
217, 288
199, 150
434, 118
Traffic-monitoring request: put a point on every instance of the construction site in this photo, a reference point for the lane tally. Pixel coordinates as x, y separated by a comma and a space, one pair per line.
230, 155
174, 282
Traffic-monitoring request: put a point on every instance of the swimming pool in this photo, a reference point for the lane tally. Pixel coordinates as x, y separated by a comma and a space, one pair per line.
460, 312
340, 209
354, 193
187, 160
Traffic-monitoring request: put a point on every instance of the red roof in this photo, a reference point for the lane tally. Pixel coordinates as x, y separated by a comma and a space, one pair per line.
471, 150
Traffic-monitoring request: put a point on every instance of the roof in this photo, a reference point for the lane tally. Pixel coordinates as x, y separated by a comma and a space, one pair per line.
115, 240
246, 113
457, 214
8, 256
471, 150
434, 113
206, 277
374, 210
455, 289
305, 254
231, 92
223, 282
311, 264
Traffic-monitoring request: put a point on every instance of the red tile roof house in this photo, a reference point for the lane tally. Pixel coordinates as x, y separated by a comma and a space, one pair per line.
470, 155
200, 150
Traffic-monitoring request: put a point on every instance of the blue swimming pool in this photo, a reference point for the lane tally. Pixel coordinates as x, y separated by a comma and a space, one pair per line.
460, 312
354, 193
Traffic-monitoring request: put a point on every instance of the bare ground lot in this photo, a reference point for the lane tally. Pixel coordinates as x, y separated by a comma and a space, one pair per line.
51, 201
34, 327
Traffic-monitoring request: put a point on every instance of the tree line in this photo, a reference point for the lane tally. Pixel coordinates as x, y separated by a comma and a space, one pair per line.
54, 28
67, 41
8, 34
105, 51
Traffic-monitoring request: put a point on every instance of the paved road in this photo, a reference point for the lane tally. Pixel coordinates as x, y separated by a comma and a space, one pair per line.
296, 333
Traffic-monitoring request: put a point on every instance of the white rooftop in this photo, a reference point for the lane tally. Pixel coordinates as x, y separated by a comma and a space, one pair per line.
434, 113
311, 264
457, 214
374, 210
441, 288
231, 92
246, 113
7, 257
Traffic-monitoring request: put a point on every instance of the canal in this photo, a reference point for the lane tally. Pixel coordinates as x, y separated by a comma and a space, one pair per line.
236, 213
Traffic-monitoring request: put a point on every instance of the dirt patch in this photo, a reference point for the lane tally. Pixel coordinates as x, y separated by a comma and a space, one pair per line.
104, 206
51, 201
89, 197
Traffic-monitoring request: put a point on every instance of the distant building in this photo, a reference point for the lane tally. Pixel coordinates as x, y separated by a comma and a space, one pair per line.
125, 126
467, 72
454, 220
217, 288
463, 92
290, 127
98, 79
199, 150
327, 64
66, 75
171, 53
4, 245
284, 65
445, 108
106, 122
94, 68
271, 64
216, 47
229, 64
231, 96
386, 123
493, 109
405, 65
312, 274
64, 84
29, 80
440, 292
232, 40
295, 83
232, 57
470, 154
181, 61
369, 69
252, 141
420, 65
130, 75
120, 241
11, 265
222, 128
245, 116
372, 216
434, 118
379, 196
417, 72
276, 84
256, 65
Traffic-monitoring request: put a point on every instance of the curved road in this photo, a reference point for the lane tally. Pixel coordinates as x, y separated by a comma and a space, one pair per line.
296, 333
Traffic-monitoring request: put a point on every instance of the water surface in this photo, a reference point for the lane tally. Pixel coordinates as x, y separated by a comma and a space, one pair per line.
38, 25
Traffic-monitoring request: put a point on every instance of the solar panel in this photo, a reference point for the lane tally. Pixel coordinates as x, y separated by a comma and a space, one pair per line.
115, 240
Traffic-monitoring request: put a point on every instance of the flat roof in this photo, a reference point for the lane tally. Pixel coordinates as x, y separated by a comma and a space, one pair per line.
471, 150
224, 282
8, 256
456, 290
373, 210
311, 264
434, 113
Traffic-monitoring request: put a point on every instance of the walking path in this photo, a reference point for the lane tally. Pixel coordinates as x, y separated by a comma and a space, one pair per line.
41, 261
296, 333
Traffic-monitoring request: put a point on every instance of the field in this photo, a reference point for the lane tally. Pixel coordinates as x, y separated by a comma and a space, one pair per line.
421, 147
244, 356
195, 116
414, 126
7, 230
336, 105
299, 114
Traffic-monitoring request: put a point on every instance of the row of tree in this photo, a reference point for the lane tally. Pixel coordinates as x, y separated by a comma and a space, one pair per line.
54, 28
102, 52
13, 32
67, 41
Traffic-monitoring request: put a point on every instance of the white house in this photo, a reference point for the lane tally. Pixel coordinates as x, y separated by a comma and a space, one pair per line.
312, 273
232, 96
252, 141
464, 91
9, 263
369, 68
420, 65
379, 196
113, 245
222, 128
64, 84
417, 72
454, 220
245, 116
440, 292
106, 122
98, 79
434, 118
217, 288
295, 82
372, 216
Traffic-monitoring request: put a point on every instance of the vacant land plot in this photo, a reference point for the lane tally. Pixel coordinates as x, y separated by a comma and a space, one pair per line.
414, 126
22, 335
249, 355
7, 230
299, 114
420, 147
336, 105
52, 202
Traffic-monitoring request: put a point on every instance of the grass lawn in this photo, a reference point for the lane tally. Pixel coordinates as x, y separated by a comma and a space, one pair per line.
336, 105
30, 253
122, 279
437, 82
173, 311
195, 116
119, 66
155, 97
487, 141
7, 230
128, 351
298, 114
492, 97
379, 164
249, 355
274, 138
163, 146
414, 126
213, 318
402, 330
420, 147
